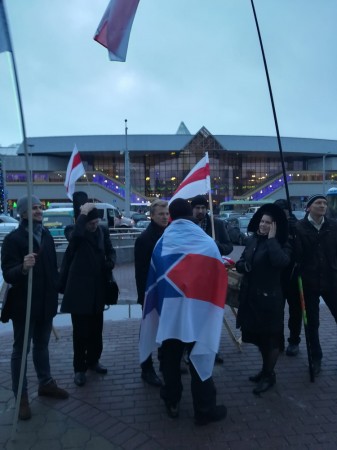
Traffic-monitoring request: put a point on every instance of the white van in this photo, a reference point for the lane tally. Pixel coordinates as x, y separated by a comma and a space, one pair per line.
112, 217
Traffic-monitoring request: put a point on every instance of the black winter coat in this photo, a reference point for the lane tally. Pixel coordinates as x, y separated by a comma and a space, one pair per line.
316, 253
45, 275
144, 246
222, 239
91, 259
261, 304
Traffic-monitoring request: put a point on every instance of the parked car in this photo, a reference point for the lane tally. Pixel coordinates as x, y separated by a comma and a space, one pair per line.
237, 229
8, 222
299, 214
229, 215
142, 224
136, 217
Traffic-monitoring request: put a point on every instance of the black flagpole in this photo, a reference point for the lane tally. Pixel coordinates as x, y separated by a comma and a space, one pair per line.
274, 110
284, 175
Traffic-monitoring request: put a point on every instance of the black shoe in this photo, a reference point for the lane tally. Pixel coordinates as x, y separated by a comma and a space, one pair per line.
218, 413
256, 378
265, 383
172, 409
80, 378
218, 359
150, 377
98, 368
316, 365
292, 350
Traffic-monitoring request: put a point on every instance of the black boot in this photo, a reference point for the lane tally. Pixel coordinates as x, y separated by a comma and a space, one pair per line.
266, 382
256, 378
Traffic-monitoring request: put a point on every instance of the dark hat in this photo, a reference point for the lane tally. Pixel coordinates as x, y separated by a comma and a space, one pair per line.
93, 214
199, 200
281, 203
279, 217
22, 205
180, 209
313, 198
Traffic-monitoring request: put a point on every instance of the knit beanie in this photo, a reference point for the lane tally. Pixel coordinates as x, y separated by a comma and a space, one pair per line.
199, 200
313, 198
22, 204
180, 209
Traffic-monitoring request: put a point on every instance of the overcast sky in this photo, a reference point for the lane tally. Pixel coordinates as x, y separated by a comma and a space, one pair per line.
195, 61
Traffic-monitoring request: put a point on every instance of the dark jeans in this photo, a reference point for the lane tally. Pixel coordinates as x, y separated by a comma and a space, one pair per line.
203, 392
39, 333
87, 340
312, 308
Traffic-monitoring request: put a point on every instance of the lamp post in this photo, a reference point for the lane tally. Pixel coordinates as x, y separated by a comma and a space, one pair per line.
323, 169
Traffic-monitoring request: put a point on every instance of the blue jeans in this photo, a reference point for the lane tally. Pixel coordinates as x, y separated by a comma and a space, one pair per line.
39, 332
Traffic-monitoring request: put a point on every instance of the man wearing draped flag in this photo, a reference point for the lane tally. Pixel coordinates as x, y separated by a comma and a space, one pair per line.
184, 306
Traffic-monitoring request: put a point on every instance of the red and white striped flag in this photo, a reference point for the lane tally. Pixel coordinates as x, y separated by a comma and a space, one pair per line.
114, 30
197, 181
75, 170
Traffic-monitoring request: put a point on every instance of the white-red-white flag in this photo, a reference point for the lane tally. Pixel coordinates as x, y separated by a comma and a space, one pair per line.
75, 170
197, 181
114, 30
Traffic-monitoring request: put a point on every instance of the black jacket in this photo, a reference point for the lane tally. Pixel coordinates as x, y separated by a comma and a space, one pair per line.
88, 265
316, 254
261, 301
144, 246
45, 275
222, 239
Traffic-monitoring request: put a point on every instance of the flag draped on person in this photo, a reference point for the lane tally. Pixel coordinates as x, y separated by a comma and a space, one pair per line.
197, 182
185, 295
75, 170
5, 43
114, 30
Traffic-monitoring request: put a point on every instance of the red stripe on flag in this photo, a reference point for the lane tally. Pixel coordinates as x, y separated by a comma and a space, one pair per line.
200, 174
202, 278
76, 160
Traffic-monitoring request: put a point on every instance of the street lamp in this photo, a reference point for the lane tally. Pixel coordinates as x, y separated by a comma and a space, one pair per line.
323, 168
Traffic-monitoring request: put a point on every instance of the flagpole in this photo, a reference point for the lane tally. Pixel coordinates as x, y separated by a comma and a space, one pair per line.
127, 172
273, 108
30, 227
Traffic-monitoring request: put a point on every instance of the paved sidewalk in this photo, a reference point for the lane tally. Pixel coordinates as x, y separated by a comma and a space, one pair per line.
118, 411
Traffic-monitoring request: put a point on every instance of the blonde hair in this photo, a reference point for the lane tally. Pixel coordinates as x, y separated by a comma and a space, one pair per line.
157, 202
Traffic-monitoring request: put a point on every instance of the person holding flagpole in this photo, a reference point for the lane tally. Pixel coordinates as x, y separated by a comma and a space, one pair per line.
16, 263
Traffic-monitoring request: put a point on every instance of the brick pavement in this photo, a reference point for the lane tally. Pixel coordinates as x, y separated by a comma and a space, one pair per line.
118, 411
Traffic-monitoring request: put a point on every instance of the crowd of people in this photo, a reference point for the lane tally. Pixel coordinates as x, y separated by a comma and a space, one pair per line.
181, 285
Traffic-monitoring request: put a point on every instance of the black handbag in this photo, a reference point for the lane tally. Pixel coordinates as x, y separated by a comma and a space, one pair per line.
112, 292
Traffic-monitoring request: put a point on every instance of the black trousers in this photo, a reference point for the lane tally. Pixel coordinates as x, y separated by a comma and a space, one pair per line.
312, 306
87, 340
203, 392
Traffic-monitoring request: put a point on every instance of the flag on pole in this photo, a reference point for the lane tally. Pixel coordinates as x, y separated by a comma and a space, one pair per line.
197, 181
185, 295
114, 30
5, 43
75, 170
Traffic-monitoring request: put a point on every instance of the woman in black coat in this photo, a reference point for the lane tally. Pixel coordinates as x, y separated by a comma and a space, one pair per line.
87, 266
261, 304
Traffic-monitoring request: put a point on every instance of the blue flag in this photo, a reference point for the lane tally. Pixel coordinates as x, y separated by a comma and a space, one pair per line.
5, 43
